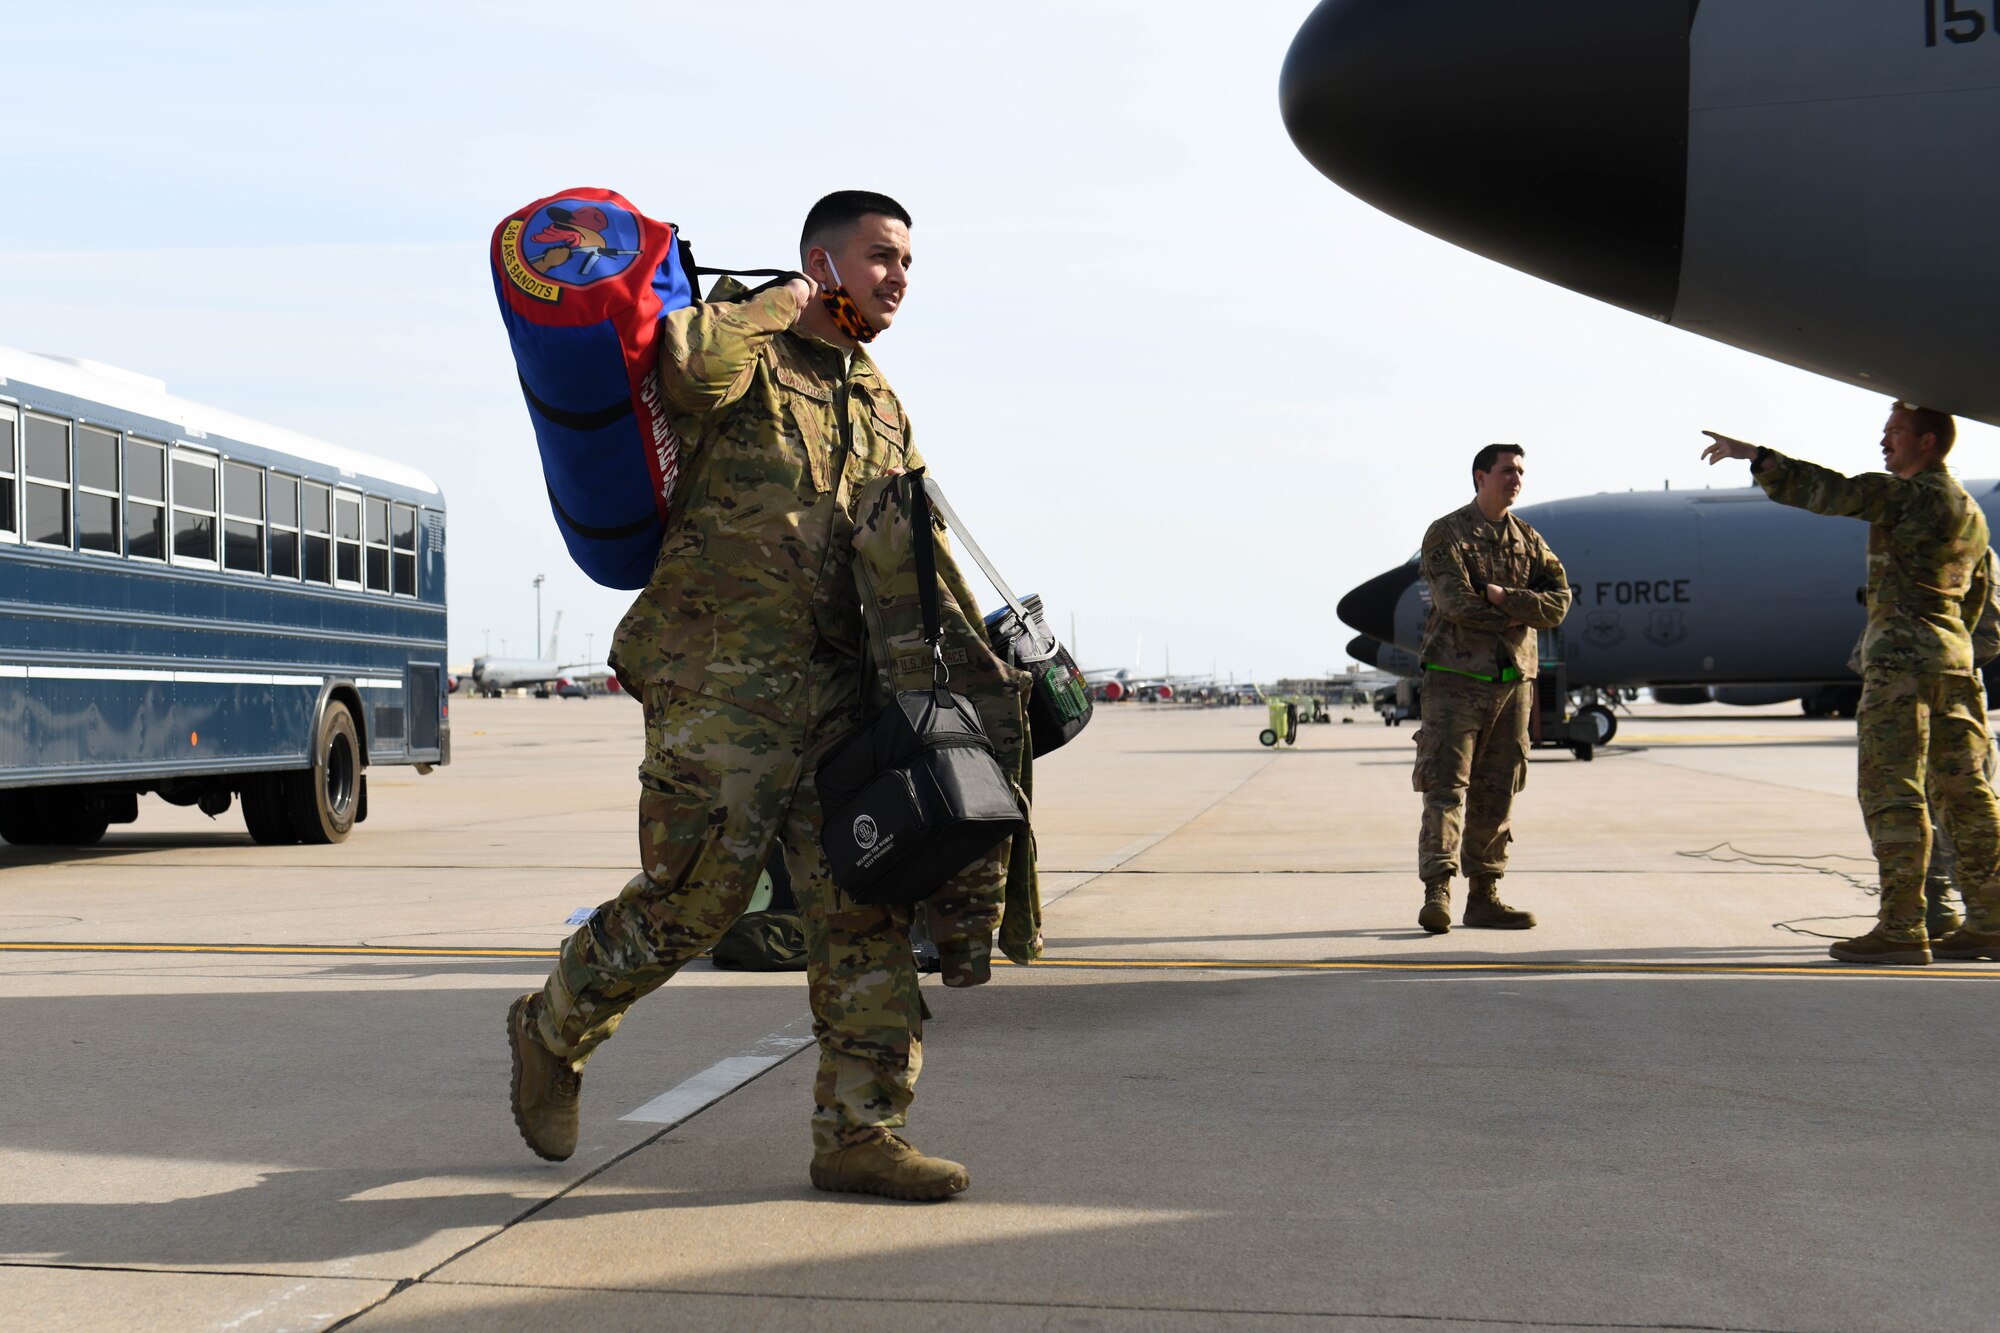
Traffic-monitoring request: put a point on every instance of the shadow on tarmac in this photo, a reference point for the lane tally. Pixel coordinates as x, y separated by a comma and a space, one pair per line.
1481, 1096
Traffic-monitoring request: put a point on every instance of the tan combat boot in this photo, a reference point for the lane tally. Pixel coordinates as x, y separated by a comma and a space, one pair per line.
1966, 942
1875, 947
1485, 911
1940, 913
1436, 914
889, 1166
545, 1088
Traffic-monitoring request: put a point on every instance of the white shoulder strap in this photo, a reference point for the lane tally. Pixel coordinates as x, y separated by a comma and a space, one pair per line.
957, 525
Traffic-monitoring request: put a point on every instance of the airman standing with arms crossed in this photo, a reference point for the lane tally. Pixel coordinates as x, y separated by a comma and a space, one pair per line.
1493, 583
746, 648
1922, 721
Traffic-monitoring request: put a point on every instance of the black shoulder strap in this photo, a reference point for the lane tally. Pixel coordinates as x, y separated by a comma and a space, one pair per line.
694, 270
924, 543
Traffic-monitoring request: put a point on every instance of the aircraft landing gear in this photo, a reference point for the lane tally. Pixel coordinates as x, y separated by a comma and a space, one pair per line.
1601, 719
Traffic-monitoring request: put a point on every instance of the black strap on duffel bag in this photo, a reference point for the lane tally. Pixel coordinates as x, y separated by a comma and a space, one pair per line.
1060, 704
916, 794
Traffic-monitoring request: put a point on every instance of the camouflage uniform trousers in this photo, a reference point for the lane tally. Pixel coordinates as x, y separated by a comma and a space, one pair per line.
718, 785
1472, 756
1943, 874
1923, 734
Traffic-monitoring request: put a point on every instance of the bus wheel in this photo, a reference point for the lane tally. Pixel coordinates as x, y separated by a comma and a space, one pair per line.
324, 801
266, 811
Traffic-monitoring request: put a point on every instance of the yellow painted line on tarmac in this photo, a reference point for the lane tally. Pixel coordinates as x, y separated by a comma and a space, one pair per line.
363, 950
1714, 738
1826, 969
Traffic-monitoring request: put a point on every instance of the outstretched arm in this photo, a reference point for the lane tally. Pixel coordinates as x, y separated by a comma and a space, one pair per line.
1808, 486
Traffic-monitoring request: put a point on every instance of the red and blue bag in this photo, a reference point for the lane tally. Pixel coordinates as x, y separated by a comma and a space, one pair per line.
583, 278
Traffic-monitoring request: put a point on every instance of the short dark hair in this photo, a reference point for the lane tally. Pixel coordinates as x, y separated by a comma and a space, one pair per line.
1484, 460
1930, 421
842, 209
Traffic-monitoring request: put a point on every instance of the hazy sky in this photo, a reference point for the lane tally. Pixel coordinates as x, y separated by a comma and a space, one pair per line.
1180, 384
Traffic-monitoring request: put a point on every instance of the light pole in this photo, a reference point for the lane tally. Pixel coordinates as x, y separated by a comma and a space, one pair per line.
538, 611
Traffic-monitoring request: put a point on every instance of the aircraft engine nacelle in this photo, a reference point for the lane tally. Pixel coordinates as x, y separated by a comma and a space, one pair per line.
1720, 165
1111, 691
1164, 693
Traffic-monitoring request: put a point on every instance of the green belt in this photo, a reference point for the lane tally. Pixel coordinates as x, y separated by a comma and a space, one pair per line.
1507, 674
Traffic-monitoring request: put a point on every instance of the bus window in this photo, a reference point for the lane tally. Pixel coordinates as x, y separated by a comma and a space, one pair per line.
45, 507
284, 527
346, 540
378, 545
315, 527
145, 499
10, 476
194, 508
403, 541
243, 518
97, 491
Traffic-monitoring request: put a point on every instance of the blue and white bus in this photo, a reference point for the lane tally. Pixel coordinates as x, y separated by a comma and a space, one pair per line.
204, 608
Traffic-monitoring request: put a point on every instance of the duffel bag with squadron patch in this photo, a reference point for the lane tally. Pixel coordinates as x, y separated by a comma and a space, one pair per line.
582, 279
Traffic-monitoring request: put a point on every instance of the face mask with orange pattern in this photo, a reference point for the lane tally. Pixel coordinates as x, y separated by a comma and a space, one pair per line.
847, 316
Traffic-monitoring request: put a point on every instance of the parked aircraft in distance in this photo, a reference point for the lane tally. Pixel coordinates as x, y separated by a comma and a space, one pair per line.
544, 675
1697, 594
1115, 684
491, 675
1742, 169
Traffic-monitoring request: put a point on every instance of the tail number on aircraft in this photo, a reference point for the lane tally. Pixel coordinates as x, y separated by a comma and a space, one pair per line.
1961, 23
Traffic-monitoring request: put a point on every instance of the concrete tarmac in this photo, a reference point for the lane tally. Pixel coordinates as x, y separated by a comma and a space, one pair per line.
265, 1088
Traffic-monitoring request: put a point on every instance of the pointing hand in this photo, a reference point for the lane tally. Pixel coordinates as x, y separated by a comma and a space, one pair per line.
1725, 447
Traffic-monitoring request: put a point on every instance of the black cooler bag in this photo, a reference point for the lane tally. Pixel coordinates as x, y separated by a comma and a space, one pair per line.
913, 798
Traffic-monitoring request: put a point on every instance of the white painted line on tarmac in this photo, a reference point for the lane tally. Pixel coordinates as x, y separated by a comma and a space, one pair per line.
1131, 849
720, 1079
1096, 869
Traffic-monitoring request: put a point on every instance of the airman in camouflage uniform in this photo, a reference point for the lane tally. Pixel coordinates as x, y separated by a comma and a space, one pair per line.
1922, 720
1941, 915
1493, 582
746, 648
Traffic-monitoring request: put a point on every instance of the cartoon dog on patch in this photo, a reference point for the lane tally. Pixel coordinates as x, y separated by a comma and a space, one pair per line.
569, 233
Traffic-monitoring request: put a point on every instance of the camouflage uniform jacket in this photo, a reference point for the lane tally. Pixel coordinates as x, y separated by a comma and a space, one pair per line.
1981, 614
1463, 552
777, 437
1927, 544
